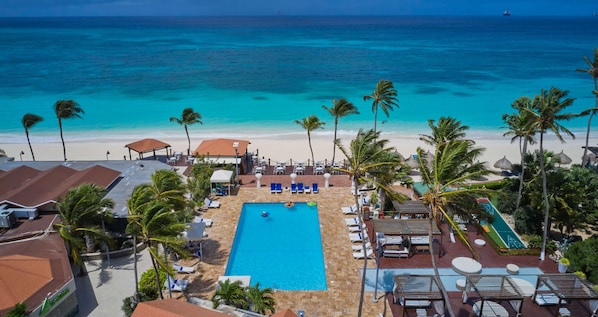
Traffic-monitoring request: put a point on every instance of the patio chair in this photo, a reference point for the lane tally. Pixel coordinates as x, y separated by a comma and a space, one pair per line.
182, 268
176, 285
314, 188
358, 237
300, 188
279, 188
368, 245
207, 221
352, 221
272, 188
360, 254
355, 228
293, 188
211, 203
349, 210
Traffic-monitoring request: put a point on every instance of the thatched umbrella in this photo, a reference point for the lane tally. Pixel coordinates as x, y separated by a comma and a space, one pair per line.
563, 158
412, 161
503, 164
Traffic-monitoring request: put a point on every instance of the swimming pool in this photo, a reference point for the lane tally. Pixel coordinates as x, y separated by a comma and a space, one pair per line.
510, 239
282, 250
448, 276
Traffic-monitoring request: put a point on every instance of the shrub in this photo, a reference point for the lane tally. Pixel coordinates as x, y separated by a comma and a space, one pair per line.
147, 283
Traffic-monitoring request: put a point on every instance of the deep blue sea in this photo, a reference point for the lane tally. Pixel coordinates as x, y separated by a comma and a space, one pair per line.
256, 75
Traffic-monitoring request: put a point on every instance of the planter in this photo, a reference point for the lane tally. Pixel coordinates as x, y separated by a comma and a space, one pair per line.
562, 267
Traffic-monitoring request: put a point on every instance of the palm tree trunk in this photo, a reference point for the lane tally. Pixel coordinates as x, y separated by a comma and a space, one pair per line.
310, 148
188, 141
158, 276
62, 138
137, 297
584, 159
363, 246
375, 118
29, 142
334, 143
447, 302
546, 205
523, 152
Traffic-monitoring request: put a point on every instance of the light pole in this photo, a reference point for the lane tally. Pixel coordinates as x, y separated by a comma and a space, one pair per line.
236, 147
107, 153
106, 249
21, 155
379, 241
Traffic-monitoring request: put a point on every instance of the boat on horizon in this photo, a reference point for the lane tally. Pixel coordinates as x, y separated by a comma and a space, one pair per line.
506, 13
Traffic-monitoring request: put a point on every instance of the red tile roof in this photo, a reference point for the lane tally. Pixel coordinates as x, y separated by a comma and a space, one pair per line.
147, 145
285, 313
221, 147
173, 308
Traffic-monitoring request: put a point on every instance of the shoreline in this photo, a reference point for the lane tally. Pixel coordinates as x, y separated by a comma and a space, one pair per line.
275, 147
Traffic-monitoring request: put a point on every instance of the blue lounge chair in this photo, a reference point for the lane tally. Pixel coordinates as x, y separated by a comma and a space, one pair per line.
293, 188
272, 188
300, 187
279, 188
314, 188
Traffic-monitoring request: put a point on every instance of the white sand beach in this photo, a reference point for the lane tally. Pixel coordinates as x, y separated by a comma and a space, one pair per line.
293, 147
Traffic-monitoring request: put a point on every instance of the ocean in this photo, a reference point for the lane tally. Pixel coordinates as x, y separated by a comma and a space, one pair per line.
253, 76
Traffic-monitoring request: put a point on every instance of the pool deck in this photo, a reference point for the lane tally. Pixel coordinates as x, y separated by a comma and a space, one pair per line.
342, 271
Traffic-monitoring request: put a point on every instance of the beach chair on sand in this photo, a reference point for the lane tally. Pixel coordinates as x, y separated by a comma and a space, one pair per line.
211, 203
272, 188
300, 188
360, 254
293, 188
207, 221
349, 210
182, 268
176, 285
279, 188
314, 188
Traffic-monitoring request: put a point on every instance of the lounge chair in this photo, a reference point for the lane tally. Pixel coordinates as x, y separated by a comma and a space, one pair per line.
352, 221
545, 299
314, 188
356, 237
393, 253
300, 188
355, 247
176, 285
350, 210
360, 255
207, 221
279, 188
355, 228
211, 203
272, 188
414, 302
182, 268
293, 188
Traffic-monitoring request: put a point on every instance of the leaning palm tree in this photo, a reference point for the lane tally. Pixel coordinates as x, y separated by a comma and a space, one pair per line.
310, 123
80, 213
66, 109
340, 108
28, 121
260, 300
383, 97
454, 165
364, 160
546, 114
520, 127
187, 118
593, 71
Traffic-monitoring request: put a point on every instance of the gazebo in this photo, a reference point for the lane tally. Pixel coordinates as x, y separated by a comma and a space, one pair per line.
221, 177
411, 209
418, 291
564, 288
147, 145
490, 290
415, 230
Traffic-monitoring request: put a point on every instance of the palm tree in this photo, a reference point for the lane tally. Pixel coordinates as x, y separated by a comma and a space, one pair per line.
383, 97
167, 185
546, 113
454, 164
310, 123
66, 109
188, 117
80, 211
230, 293
136, 204
519, 125
340, 108
364, 157
448, 129
260, 300
29, 120
593, 71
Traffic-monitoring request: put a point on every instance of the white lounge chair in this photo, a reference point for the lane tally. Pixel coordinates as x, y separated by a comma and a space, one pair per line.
414, 302
357, 247
355, 228
176, 285
352, 221
182, 268
360, 255
211, 203
544, 299
357, 237
350, 210
207, 221
392, 253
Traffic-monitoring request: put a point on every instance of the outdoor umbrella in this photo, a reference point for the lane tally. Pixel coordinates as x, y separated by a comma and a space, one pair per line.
563, 158
503, 164
412, 161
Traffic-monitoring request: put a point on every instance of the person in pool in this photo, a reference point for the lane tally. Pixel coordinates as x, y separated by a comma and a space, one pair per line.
289, 204
265, 213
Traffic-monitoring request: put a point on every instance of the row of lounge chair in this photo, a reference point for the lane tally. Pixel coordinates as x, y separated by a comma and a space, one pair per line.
276, 188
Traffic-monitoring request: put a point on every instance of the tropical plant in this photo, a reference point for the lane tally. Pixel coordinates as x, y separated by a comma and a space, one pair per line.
187, 118
383, 97
230, 293
520, 127
2, 153
66, 109
592, 70
340, 108
310, 123
20, 310
583, 257
364, 164
80, 213
260, 300
147, 283
28, 121
447, 129
167, 186
454, 165
546, 114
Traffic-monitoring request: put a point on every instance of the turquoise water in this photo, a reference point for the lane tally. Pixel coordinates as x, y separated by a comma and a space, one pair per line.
506, 233
253, 76
448, 276
283, 250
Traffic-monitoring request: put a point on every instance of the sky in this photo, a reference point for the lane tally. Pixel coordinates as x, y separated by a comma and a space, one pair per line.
39, 8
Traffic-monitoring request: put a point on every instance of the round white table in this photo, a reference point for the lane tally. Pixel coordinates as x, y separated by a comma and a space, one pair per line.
465, 265
479, 243
527, 289
490, 309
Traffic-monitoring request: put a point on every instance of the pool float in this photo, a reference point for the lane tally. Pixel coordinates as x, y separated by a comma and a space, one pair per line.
265, 214
289, 204
311, 203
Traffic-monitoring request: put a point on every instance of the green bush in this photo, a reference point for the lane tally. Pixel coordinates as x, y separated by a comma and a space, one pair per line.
583, 257
20, 310
147, 283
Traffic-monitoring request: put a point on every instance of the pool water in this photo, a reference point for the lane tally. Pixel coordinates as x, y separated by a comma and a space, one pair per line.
282, 250
448, 276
